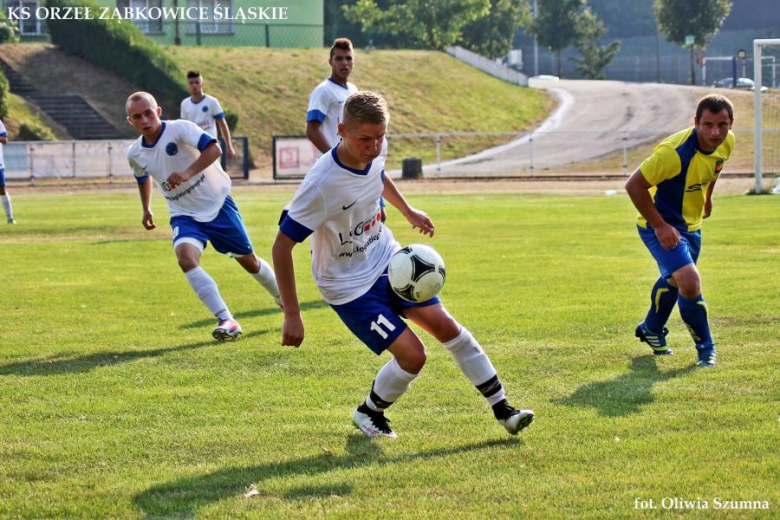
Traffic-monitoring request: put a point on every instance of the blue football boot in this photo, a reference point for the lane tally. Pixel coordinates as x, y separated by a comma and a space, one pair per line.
706, 356
656, 341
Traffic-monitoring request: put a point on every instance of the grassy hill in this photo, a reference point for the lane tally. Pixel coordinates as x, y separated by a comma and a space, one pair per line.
427, 92
52, 71
269, 89
20, 111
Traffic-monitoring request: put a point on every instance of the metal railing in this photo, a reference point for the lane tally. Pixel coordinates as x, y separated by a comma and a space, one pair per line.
31, 160
551, 153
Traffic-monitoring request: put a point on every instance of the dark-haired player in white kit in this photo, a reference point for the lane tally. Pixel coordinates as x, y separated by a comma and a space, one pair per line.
338, 206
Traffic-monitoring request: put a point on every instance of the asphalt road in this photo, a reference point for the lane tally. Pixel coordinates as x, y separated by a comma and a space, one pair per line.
593, 120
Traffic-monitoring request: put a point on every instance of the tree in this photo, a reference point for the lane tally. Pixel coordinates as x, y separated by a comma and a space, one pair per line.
9, 31
555, 26
701, 19
625, 19
336, 26
415, 23
492, 34
595, 57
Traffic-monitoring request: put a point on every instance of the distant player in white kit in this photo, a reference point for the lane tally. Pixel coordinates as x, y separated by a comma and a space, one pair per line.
183, 160
205, 111
337, 205
9, 214
326, 101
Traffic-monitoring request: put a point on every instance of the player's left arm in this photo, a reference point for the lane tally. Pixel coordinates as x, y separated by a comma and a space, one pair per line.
708, 200
3, 133
225, 131
211, 153
418, 219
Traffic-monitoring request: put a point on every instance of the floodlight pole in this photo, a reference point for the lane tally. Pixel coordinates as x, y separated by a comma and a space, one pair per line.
536, 48
757, 113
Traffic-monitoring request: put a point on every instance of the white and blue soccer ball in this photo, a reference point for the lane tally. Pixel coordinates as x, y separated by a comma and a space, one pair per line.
416, 273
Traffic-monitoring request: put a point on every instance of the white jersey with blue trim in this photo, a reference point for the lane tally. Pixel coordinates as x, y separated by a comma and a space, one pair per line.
177, 147
339, 207
3, 133
204, 113
326, 103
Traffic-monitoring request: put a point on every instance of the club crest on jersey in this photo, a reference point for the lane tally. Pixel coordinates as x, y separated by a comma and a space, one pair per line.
171, 149
205, 109
718, 166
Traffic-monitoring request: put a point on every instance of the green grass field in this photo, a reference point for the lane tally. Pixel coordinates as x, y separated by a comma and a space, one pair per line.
116, 403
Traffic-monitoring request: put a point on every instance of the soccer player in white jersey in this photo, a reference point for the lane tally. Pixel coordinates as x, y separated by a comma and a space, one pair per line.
326, 101
337, 205
183, 160
9, 214
205, 111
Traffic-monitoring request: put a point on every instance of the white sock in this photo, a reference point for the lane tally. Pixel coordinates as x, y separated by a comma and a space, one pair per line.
391, 382
475, 365
208, 292
9, 214
266, 277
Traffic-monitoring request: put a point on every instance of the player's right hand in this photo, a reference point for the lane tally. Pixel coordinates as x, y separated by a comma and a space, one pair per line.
148, 220
292, 331
668, 236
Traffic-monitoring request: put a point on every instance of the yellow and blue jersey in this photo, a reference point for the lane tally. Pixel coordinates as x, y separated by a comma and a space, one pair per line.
679, 172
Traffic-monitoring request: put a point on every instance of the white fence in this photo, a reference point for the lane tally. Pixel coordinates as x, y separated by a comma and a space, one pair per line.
489, 66
82, 159
58, 159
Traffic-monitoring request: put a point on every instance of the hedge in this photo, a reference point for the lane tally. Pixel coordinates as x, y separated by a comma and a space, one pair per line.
5, 94
34, 132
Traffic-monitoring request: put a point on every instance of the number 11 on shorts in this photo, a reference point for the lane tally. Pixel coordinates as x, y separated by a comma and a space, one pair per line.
376, 326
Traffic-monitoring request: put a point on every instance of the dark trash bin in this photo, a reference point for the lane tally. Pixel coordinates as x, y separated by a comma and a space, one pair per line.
411, 168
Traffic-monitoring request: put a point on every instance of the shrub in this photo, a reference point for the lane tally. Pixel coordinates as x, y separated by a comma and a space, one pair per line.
35, 132
231, 118
5, 93
9, 31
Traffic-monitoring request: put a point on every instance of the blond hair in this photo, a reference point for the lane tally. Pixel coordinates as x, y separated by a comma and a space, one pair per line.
365, 107
138, 96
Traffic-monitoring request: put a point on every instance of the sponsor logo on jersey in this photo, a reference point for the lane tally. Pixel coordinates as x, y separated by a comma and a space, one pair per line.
364, 226
697, 187
171, 149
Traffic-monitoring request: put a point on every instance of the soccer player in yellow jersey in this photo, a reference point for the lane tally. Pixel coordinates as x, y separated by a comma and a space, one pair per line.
672, 189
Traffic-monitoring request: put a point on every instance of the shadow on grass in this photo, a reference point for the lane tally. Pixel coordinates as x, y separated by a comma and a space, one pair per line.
63, 364
184, 497
318, 304
626, 394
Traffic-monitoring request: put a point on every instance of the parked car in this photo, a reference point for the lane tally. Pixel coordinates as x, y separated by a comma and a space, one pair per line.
742, 84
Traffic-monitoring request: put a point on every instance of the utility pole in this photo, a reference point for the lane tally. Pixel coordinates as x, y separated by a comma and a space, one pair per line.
536, 48
657, 54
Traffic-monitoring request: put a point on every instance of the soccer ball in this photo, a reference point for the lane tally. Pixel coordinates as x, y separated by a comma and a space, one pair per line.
416, 273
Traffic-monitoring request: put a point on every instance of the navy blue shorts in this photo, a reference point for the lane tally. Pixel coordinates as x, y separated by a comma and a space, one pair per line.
686, 252
375, 317
2, 177
226, 232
